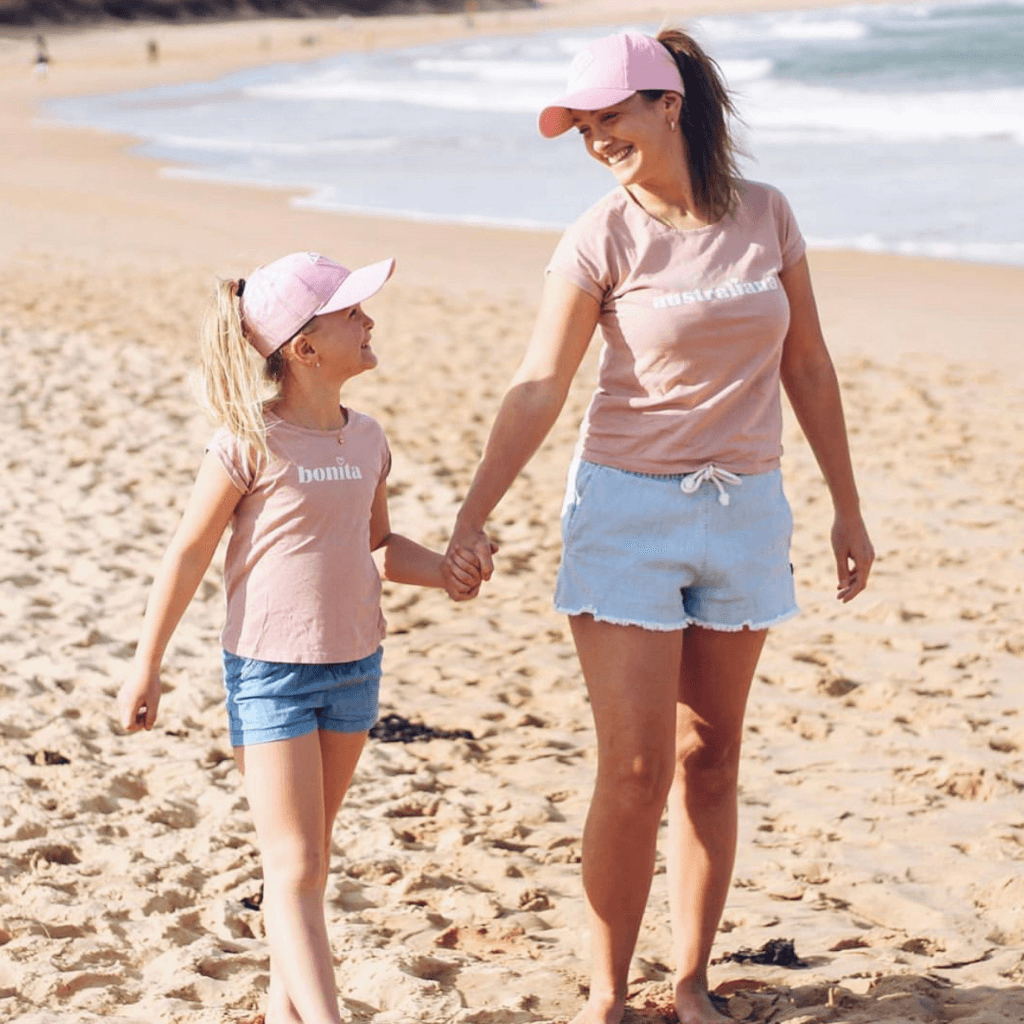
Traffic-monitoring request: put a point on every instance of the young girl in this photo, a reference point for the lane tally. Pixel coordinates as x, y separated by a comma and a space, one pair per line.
302, 479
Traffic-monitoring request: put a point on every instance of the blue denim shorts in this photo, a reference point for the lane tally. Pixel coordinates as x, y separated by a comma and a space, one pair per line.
639, 550
273, 700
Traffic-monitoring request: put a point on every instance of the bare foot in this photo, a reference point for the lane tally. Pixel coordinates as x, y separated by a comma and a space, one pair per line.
601, 1011
694, 1006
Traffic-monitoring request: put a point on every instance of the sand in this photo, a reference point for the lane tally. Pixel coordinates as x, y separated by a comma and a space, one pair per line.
882, 828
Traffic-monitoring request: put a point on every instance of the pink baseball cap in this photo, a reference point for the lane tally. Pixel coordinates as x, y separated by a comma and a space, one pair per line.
279, 299
608, 72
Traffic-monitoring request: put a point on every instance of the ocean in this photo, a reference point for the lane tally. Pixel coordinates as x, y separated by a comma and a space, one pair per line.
893, 128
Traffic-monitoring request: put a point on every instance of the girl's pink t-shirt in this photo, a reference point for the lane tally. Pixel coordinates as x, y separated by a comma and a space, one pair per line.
693, 324
302, 586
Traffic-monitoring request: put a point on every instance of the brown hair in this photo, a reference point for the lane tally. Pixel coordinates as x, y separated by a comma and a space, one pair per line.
236, 382
704, 123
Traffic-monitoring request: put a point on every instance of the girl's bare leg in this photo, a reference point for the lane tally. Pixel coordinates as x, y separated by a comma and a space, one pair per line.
295, 788
632, 678
714, 680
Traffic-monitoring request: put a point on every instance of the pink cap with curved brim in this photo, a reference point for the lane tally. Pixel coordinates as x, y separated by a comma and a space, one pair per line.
278, 300
608, 72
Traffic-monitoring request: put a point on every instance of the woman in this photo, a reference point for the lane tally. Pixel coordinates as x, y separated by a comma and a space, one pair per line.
675, 527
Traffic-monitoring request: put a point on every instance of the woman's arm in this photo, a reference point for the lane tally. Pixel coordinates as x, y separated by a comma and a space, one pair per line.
813, 389
565, 324
188, 556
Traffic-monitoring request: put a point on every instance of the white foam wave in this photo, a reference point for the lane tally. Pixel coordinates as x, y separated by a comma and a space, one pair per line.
798, 28
527, 72
737, 71
788, 106
255, 147
786, 26
450, 95
324, 200
972, 252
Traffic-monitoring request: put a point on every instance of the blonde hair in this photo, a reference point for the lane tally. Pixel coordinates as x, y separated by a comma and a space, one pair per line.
236, 382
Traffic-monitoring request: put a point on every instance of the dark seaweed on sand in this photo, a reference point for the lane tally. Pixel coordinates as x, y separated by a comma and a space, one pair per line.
394, 728
775, 953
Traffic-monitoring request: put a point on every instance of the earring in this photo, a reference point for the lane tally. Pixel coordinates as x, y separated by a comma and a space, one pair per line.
318, 364
671, 126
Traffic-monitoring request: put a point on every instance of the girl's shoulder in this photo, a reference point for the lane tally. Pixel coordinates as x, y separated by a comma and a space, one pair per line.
364, 424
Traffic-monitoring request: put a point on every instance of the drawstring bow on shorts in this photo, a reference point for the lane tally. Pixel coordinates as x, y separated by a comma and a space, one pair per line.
710, 474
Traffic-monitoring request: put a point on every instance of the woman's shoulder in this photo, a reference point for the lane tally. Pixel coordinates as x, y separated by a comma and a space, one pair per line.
613, 206
756, 198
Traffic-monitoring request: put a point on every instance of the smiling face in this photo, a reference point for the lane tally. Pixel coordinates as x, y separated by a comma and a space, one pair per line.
342, 343
634, 139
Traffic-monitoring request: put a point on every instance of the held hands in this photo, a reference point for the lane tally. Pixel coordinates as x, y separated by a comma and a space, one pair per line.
467, 563
854, 556
138, 700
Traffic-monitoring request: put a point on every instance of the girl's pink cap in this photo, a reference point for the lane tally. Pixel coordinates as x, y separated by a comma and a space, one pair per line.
278, 300
608, 72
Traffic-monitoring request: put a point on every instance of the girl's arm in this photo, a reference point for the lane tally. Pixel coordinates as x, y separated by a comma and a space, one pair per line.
188, 556
565, 324
813, 389
404, 561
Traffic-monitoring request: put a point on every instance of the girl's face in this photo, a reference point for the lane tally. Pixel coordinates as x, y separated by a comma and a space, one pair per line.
633, 138
342, 343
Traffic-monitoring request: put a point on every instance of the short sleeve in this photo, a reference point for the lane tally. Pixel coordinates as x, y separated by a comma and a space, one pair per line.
386, 462
580, 257
239, 464
791, 241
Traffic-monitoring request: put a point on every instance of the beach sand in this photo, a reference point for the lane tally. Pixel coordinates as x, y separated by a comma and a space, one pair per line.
882, 828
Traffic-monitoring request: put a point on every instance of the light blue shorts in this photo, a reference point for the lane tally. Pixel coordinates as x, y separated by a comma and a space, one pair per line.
638, 550
274, 700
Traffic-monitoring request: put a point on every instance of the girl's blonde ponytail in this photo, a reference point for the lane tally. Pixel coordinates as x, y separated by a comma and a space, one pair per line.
235, 379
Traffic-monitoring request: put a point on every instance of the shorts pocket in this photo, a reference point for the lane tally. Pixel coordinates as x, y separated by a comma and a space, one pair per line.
580, 476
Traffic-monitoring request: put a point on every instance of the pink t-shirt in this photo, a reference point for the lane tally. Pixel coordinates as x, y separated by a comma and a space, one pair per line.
693, 324
301, 584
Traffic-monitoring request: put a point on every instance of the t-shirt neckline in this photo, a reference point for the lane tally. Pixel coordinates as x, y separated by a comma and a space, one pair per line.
667, 228
313, 431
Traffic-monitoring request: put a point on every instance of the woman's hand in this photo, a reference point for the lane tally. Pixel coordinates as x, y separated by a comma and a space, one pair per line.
138, 700
854, 556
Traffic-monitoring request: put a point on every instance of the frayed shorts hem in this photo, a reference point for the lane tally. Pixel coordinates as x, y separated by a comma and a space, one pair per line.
251, 737
671, 627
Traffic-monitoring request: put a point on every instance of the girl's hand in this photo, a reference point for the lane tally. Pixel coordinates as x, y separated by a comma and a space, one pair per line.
137, 702
854, 556
463, 573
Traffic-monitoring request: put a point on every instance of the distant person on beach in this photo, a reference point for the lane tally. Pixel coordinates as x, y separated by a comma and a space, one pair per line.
153, 51
675, 527
42, 59
303, 481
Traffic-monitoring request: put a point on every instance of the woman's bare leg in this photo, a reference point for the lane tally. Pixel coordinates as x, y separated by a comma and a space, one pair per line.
714, 680
632, 678
295, 788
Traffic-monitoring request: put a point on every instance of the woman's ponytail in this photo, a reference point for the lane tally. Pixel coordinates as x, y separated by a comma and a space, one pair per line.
704, 120
234, 378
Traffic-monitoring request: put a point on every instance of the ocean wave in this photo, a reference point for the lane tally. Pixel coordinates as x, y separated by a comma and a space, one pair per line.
787, 26
525, 71
323, 199
261, 147
932, 116
1004, 253
437, 93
